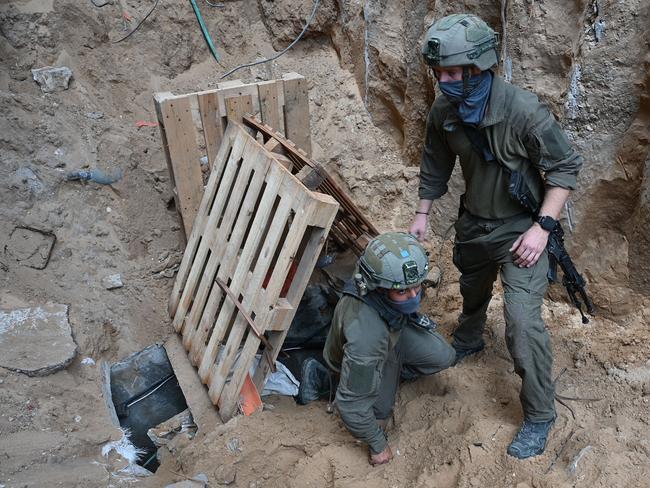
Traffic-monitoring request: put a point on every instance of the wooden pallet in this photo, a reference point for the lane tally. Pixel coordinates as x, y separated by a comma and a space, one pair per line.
351, 228
192, 126
259, 232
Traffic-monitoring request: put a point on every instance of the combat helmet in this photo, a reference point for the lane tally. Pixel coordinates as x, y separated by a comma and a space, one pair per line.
394, 260
461, 40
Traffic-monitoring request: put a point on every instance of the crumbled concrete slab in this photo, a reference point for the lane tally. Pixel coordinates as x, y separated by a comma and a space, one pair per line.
36, 341
30, 247
112, 282
52, 79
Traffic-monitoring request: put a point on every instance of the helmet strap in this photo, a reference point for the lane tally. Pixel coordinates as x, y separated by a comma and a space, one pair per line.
466, 76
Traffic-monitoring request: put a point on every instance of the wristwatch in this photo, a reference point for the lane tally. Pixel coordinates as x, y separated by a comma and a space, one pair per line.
546, 222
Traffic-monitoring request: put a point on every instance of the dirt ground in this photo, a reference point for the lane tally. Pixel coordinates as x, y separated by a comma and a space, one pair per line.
369, 95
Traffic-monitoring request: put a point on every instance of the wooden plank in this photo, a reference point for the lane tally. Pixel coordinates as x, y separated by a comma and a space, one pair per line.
198, 401
237, 107
271, 110
350, 223
236, 89
180, 133
296, 111
229, 393
212, 124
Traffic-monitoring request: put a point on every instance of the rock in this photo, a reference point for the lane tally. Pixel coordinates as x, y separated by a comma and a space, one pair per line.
188, 484
112, 282
52, 79
95, 115
25, 177
36, 341
181, 423
225, 475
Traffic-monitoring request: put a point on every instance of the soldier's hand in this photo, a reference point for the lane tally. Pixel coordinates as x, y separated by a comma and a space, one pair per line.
419, 226
381, 458
529, 246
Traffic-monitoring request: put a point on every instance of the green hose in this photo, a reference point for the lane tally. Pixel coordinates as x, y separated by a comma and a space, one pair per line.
204, 29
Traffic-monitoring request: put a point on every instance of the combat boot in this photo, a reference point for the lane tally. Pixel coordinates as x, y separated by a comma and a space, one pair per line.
531, 439
463, 353
315, 382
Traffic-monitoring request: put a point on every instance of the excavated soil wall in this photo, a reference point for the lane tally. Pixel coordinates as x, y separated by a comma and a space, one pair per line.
369, 96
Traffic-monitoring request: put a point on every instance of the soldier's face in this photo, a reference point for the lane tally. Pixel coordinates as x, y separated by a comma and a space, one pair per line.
403, 295
452, 73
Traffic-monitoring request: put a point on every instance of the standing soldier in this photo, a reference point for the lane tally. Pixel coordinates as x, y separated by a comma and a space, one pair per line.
497, 131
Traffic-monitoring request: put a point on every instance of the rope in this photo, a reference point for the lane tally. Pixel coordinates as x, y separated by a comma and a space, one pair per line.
139, 23
272, 58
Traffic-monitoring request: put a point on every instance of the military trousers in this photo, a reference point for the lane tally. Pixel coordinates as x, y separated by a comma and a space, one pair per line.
418, 352
481, 251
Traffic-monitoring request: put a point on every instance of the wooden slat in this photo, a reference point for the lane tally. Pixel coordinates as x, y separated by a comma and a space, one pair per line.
181, 135
237, 107
236, 89
211, 107
300, 231
230, 393
296, 111
271, 110
212, 125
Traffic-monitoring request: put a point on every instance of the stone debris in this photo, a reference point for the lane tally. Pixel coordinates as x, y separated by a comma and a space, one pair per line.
101, 3
95, 115
25, 178
225, 475
52, 79
112, 282
199, 481
36, 341
181, 423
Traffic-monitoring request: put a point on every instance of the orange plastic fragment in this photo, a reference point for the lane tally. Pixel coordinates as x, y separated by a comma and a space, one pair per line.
145, 123
249, 398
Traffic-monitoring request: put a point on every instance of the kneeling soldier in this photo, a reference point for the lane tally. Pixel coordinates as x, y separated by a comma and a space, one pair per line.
377, 337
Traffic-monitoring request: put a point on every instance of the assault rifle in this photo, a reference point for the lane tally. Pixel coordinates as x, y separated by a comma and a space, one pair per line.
557, 253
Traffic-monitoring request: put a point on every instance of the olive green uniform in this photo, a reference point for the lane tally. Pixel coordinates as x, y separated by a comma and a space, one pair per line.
370, 357
524, 136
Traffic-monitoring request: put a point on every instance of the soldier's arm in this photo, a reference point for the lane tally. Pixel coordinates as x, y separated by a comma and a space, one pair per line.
435, 170
551, 152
